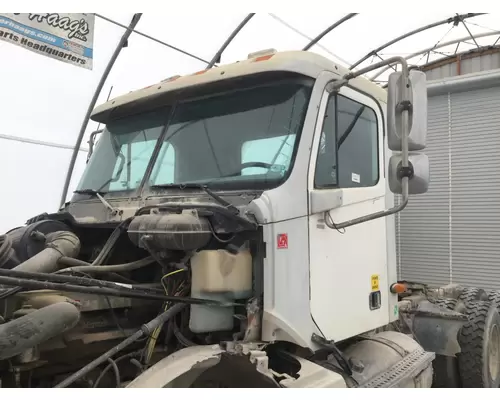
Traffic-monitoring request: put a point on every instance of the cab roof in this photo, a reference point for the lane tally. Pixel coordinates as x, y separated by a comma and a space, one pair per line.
300, 62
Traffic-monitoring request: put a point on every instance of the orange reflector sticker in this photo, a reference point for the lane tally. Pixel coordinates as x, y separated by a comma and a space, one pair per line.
263, 58
172, 78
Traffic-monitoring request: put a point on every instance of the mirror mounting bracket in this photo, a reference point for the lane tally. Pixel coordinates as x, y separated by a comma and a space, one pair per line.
406, 172
405, 105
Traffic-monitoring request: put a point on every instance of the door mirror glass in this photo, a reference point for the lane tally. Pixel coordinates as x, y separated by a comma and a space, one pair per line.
417, 113
419, 181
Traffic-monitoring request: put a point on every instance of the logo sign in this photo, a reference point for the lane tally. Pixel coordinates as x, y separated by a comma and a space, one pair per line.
64, 37
283, 241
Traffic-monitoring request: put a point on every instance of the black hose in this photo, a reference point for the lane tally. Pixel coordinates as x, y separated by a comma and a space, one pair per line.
10, 292
77, 280
108, 367
137, 364
36, 327
145, 330
180, 336
144, 262
5, 249
111, 242
119, 292
72, 262
116, 371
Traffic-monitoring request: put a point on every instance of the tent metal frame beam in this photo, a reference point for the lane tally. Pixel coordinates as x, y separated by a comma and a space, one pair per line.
468, 30
441, 45
40, 142
151, 38
217, 56
302, 34
414, 32
328, 30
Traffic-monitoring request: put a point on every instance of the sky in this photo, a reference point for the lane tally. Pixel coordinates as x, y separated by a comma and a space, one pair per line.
46, 100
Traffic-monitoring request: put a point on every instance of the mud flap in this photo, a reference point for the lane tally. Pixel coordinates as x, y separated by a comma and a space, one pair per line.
436, 328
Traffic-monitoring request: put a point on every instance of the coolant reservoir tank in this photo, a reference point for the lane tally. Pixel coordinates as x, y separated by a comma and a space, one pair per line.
220, 272
218, 275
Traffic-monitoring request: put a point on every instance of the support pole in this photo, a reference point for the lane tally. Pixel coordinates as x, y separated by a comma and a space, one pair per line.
121, 43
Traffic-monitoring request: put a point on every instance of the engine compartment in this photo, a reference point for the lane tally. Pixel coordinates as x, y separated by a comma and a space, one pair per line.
70, 292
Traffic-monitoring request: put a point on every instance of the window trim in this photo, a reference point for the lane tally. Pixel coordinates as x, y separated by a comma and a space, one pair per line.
361, 98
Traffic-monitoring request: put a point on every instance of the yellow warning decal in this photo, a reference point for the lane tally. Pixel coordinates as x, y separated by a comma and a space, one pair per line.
375, 283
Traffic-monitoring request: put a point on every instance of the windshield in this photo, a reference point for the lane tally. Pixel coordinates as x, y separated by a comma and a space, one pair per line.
243, 139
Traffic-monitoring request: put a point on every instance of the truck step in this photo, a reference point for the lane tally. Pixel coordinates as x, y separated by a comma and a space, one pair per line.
409, 367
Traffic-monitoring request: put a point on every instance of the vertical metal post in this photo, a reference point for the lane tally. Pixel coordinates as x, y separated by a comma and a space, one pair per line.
121, 43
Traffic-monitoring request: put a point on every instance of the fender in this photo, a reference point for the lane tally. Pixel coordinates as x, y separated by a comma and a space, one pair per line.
250, 369
179, 369
241, 366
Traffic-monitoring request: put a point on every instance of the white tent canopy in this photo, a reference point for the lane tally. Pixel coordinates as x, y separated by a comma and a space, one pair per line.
45, 100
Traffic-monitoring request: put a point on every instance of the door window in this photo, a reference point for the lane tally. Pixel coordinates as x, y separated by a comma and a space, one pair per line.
348, 150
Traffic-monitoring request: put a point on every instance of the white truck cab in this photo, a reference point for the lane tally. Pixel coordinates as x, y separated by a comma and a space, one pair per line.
315, 146
261, 195
326, 159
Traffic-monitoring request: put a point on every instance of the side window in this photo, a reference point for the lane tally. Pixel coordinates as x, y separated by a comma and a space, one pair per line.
348, 150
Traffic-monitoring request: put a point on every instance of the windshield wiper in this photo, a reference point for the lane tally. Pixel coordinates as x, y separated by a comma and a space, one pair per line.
205, 188
93, 192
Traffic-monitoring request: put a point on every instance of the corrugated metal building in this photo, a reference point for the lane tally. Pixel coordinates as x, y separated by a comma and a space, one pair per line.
452, 233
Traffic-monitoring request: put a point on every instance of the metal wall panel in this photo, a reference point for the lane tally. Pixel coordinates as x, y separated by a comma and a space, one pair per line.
423, 227
484, 61
452, 233
475, 187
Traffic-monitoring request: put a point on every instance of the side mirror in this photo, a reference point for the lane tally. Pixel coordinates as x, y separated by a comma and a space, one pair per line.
418, 183
417, 111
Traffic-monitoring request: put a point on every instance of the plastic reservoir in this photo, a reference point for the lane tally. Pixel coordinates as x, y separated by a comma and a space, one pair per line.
218, 275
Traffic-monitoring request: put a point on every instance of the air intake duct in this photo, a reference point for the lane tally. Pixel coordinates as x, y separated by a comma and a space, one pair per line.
36, 327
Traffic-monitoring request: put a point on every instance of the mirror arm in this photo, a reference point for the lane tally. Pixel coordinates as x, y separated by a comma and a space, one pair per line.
404, 106
91, 142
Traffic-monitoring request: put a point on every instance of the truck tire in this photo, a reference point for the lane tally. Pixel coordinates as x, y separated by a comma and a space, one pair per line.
445, 368
468, 295
479, 361
447, 303
472, 294
494, 298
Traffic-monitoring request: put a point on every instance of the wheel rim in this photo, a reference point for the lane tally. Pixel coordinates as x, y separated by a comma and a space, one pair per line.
494, 353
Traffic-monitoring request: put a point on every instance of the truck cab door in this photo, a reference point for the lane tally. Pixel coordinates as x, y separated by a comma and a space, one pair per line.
348, 267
